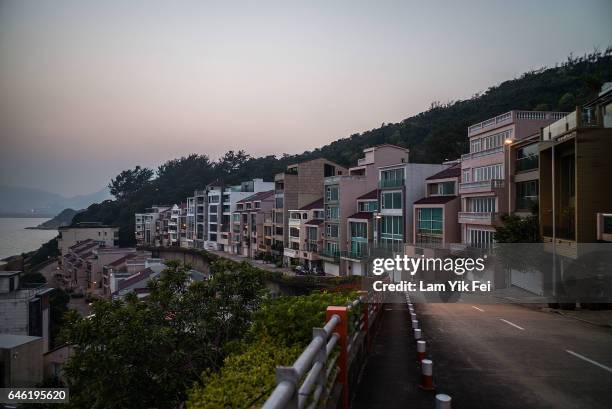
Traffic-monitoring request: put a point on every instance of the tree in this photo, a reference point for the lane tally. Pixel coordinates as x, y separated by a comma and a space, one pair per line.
129, 182
516, 229
146, 353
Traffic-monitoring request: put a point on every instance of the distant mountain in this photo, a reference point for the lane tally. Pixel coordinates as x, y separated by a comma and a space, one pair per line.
62, 219
23, 201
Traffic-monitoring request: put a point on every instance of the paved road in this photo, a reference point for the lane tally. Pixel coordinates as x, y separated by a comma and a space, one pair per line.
508, 356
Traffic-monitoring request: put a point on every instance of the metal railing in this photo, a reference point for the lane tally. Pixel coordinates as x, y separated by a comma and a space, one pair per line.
326, 362
390, 183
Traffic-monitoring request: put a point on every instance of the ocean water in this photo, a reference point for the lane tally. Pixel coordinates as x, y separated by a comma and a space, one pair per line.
15, 239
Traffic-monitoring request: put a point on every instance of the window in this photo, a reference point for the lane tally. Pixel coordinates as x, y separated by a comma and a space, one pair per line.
488, 172
393, 174
257, 205
295, 216
430, 221
319, 214
527, 158
279, 203
446, 188
526, 194
392, 227
489, 142
212, 209
213, 199
358, 230
332, 213
481, 238
332, 230
213, 218
481, 205
466, 175
331, 247
331, 194
392, 200
311, 233
370, 206
294, 232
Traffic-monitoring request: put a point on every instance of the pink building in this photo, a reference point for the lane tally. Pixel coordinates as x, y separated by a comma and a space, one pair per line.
483, 188
247, 223
435, 216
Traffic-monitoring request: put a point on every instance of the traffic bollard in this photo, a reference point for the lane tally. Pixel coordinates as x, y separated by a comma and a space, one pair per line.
443, 401
427, 375
421, 348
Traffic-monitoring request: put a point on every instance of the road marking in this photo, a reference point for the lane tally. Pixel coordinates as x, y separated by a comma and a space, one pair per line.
584, 358
512, 323
476, 308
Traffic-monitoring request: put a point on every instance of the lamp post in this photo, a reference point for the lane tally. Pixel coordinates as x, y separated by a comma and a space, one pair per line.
508, 143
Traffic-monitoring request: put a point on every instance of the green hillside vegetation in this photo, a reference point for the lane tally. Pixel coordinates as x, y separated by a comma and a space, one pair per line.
435, 135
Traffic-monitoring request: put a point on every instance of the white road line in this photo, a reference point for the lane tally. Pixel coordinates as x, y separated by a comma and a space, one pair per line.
513, 324
476, 308
584, 358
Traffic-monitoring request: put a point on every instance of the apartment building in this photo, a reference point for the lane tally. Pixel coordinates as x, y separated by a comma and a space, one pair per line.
299, 185
574, 164
305, 236
248, 221
146, 225
523, 175
24, 311
400, 186
190, 224
435, 215
68, 236
360, 230
221, 202
345, 244
483, 188
100, 257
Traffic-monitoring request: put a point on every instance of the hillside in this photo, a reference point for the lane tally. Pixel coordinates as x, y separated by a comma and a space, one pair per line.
64, 218
435, 135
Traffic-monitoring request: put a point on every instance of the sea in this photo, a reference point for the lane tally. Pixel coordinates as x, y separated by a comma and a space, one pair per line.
16, 239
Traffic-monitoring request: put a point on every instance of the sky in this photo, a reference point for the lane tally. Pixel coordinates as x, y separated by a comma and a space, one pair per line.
88, 89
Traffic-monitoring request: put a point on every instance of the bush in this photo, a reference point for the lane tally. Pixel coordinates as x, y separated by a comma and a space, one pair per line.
245, 380
290, 320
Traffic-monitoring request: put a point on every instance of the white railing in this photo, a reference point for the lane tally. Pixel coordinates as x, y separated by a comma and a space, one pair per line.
484, 185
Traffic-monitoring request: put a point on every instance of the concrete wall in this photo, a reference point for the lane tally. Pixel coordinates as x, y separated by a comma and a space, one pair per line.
23, 364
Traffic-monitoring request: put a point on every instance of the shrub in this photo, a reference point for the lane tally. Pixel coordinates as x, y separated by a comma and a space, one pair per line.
245, 380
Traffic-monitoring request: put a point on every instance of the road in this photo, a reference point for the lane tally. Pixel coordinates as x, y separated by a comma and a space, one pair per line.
509, 356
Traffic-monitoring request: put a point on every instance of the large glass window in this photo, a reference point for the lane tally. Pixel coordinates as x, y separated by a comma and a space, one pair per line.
489, 172
392, 200
331, 193
369, 206
392, 227
527, 158
358, 230
482, 205
332, 230
526, 194
446, 188
430, 221
332, 213
311, 233
279, 203
294, 232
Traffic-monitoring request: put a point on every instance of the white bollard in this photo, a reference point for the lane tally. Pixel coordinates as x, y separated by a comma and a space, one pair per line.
413, 316
415, 324
443, 401
417, 334
427, 374
421, 348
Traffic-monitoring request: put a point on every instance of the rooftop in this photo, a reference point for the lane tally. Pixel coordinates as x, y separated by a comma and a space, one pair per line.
452, 172
361, 215
257, 196
369, 196
9, 341
88, 225
317, 204
435, 200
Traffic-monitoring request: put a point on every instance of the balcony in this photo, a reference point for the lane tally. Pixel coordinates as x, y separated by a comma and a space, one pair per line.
330, 255
291, 253
486, 152
580, 118
527, 163
353, 255
483, 186
390, 183
486, 218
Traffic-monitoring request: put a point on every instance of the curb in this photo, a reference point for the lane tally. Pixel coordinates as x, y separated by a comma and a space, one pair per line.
597, 324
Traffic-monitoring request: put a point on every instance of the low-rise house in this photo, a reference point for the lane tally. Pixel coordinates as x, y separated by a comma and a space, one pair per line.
305, 238
247, 223
24, 311
21, 361
435, 215
68, 236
